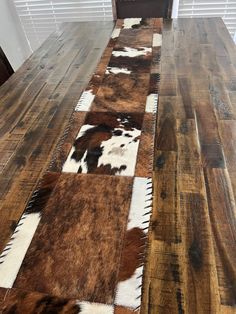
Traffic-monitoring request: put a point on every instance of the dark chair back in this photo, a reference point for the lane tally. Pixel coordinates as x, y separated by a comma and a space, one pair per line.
5, 68
143, 8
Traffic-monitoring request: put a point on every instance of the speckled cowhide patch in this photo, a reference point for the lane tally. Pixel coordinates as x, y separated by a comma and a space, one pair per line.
107, 143
80, 244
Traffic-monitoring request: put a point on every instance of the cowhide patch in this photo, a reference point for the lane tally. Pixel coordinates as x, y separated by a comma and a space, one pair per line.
151, 103
15, 250
136, 23
124, 310
115, 70
137, 60
64, 146
137, 56
157, 40
152, 98
131, 22
115, 33
131, 52
95, 308
13, 254
75, 252
80, 245
85, 101
135, 38
141, 204
26, 302
88, 95
107, 144
128, 292
122, 93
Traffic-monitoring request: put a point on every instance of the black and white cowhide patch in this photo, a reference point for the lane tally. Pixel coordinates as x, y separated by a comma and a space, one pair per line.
106, 144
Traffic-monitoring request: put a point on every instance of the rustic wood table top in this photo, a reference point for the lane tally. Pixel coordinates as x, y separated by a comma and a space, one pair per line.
192, 259
191, 264
35, 106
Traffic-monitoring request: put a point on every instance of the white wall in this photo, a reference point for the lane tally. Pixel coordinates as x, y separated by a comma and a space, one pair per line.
12, 38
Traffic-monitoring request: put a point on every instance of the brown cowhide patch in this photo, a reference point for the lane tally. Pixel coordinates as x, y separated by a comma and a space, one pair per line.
81, 229
135, 38
42, 193
124, 310
25, 302
132, 255
67, 141
122, 93
137, 65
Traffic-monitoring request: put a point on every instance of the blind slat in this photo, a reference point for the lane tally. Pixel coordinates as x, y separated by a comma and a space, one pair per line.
210, 8
41, 17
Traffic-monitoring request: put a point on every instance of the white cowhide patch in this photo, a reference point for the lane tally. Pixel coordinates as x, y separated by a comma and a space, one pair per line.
85, 101
131, 52
141, 202
157, 40
129, 291
117, 151
130, 22
71, 165
115, 70
95, 308
14, 252
116, 156
151, 103
115, 33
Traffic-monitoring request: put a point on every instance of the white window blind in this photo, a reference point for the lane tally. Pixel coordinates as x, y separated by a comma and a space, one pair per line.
41, 17
210, 8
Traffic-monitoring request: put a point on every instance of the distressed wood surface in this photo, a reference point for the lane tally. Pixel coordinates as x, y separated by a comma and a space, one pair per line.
83, 233
35, 106
191, 265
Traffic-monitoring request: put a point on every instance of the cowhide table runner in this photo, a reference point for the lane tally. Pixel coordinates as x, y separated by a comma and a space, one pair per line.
80, 245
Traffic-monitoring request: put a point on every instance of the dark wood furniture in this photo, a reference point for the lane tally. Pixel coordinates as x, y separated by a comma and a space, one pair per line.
35, 106
6, 69
143, 8
192, 257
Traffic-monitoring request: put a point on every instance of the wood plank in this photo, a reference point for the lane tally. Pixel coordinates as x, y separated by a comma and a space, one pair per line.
194, 177
190, 266
223, 220
36, 105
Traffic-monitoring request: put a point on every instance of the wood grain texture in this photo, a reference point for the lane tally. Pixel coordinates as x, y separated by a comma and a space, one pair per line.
60, 155
191, 264
36, 104
62, 201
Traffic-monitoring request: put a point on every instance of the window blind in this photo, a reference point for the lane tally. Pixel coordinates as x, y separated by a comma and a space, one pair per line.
41, 17
210, 8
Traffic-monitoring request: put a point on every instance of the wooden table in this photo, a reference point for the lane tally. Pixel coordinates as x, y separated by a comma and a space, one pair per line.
192, 260
191, 266
35, 106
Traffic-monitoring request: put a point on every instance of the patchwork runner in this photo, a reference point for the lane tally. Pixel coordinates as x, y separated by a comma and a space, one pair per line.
80, 245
